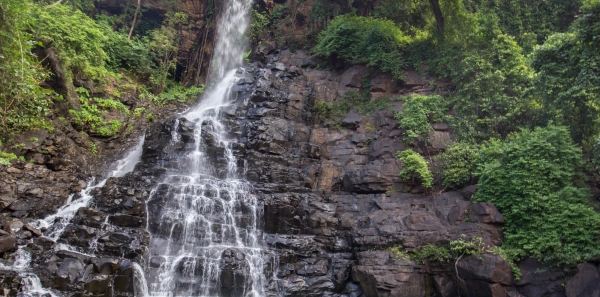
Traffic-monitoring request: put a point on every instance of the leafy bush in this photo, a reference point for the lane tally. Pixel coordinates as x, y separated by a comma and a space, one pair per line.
91, 116
124, 54
510, 256
361, 102
260, 21
533, 183
78, 40
355, 39
398, 252
435, 253
321, 13
472, 247
419, 112
176, 93
415, 166
5, 158
25, 105
538, 17
459, 161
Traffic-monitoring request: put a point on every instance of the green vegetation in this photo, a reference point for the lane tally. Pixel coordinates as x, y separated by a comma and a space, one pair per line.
174, 94
77, 39
376, 42
435, 253
359, 101
93, 148
463, 247
568, 76
419, 112
260, 21
92, 115
23, 103
93, 52
459, 162
535, 183
455, 251
527, 79
414, 167
5, 158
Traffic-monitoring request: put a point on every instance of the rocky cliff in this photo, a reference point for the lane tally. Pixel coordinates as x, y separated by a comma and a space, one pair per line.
333, 202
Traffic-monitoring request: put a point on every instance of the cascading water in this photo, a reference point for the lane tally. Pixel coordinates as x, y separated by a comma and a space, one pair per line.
204, 222
56, 223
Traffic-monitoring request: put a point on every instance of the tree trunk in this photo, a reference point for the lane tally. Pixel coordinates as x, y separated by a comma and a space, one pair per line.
137, 10
437, 13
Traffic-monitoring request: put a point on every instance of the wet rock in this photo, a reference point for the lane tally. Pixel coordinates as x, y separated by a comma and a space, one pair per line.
444, 285
379, 274
106, 266
89, 217
412, 78
312, 267
70, 269
7, 196
13, 225
126, 221
32, 229
8, 243
234, 277
45, 242
99, 285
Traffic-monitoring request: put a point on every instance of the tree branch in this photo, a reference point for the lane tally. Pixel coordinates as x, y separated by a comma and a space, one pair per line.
55, 3
137, 10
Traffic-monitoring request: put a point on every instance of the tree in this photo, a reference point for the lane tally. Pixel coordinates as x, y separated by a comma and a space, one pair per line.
492, 79
568, 76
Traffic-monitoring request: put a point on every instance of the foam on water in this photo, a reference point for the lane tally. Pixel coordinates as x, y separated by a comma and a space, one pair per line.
208, 215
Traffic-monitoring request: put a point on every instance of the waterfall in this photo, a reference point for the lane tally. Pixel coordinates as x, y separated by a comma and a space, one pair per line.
203, 218
56, 223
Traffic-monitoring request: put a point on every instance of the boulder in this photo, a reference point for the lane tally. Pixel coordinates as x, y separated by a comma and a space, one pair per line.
586, 283
485, 212
8, 243
489, 268
540, 280
412, 78
13, 225
380, 274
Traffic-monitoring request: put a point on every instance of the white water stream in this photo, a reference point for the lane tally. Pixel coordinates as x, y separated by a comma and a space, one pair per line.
205, 239
56, 224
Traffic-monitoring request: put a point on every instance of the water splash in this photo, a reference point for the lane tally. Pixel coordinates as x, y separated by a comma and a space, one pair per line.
31, 286
140, 286
203, 218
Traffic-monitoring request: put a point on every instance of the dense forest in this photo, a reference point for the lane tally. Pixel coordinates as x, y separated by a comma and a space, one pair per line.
524, 107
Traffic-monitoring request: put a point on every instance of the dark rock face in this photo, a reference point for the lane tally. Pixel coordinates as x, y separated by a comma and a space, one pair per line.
332, 203
585, 282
